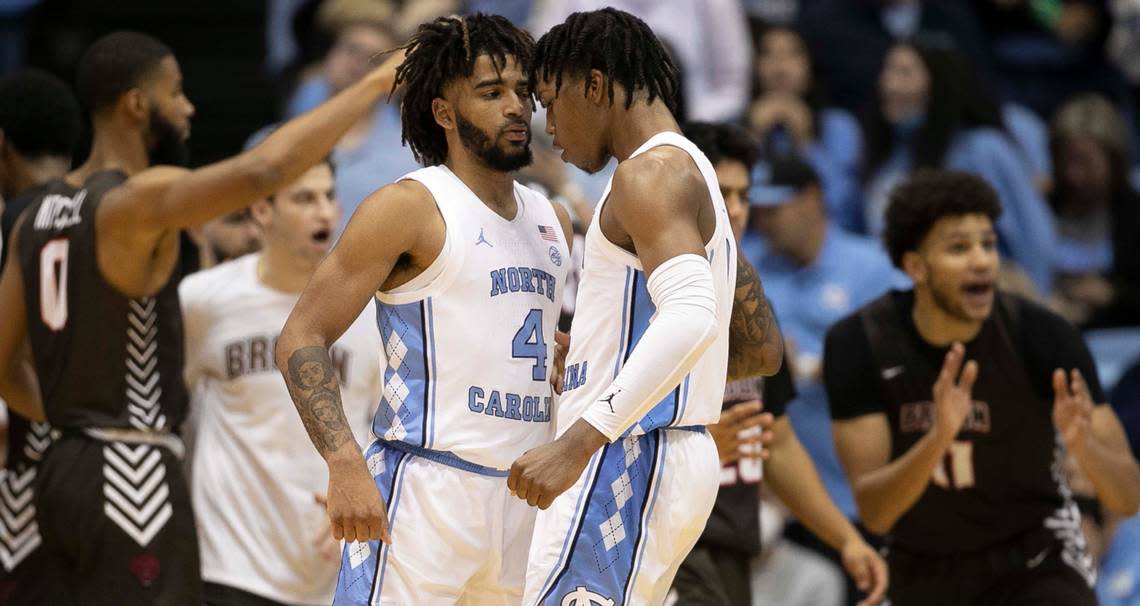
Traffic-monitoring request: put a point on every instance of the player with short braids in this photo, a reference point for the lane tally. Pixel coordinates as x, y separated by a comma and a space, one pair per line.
616, 43
440, 52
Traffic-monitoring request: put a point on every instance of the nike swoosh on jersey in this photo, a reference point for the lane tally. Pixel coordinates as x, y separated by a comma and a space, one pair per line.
892, 372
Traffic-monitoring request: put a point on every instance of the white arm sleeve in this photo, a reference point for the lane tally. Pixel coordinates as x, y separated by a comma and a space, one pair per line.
682, 329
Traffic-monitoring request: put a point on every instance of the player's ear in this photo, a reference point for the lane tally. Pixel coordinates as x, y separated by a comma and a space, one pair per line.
443, 113
136, 103
914, 267
596, 87
262, 212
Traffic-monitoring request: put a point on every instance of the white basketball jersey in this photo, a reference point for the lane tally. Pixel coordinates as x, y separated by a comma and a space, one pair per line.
614, 310
254, 469
470, 341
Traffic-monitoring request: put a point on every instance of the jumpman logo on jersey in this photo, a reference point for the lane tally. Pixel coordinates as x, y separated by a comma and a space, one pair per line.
610, 399
483, 240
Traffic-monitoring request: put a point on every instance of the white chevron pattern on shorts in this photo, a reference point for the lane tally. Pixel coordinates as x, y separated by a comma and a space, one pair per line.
37, 440
143, 392
19, 532
137, 496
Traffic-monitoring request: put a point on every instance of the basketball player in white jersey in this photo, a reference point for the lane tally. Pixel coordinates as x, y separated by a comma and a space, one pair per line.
467, 266
633, 475
257, 486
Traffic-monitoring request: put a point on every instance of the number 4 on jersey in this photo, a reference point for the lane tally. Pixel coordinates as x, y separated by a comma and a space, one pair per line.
528, 343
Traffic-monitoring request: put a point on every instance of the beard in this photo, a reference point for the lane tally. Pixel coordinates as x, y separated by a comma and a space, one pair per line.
168, 147
486, 150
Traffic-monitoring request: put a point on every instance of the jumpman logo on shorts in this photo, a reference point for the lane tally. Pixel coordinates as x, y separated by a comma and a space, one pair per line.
483, 240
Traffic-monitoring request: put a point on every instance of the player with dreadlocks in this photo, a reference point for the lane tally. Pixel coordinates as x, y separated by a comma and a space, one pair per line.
467, 267
633, 475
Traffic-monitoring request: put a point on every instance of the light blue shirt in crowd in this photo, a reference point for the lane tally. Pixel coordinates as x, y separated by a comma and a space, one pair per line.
835, 155
849, 272
1118, 582
1026, 227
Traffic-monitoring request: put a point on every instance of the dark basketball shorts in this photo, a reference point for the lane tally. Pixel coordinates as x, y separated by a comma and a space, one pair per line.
117, 523
714, 576
1007, 575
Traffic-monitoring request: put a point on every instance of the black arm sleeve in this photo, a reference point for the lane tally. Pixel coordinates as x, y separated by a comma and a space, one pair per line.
1049, 343
849, 371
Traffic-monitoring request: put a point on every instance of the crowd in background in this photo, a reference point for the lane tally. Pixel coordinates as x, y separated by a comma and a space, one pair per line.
1038, 97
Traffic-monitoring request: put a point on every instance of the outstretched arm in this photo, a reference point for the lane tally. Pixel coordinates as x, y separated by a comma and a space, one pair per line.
337, 293
755, 346
165, 198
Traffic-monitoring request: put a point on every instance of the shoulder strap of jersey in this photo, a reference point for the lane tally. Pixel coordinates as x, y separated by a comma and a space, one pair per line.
441, 184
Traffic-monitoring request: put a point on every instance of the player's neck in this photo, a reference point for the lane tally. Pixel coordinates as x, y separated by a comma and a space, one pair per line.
494, 187
283, 271
937, 327
114, 148
638, 124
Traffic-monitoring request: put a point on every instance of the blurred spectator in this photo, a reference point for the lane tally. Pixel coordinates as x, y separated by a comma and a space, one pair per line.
1030, 135
224, 238
814, 274
781, 12
849, 39
790, 114
710, 39
1047, 50
371, 154
1124, 38
1123, 48
517, 11
1118, 583
772, 11
282, 48
1098, 215
258, 488
933, 113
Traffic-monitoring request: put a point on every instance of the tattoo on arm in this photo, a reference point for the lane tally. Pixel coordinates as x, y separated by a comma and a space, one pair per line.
754, 343
313, 384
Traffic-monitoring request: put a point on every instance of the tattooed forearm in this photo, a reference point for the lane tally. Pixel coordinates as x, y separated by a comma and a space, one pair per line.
755, 346
313, 384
